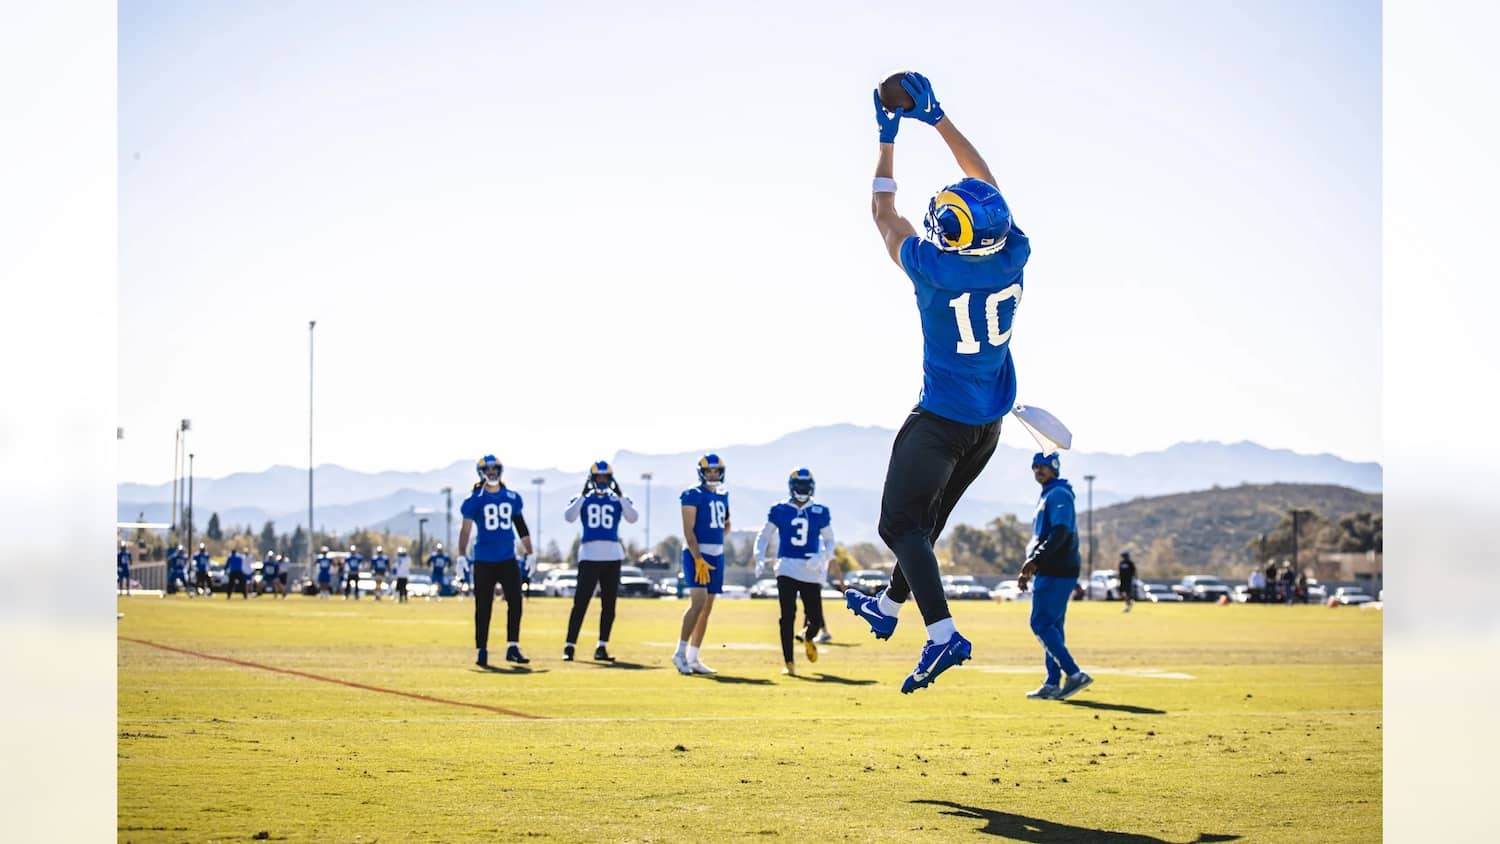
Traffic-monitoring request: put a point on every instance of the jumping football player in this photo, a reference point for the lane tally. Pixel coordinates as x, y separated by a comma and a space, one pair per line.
967, 279
705, 523
439, 562
324, 565
1052, 556
202, 584
496, 511
380, 565
803, 534
351, 572
601, 505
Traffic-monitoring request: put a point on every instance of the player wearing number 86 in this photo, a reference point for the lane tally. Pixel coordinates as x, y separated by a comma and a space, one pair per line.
967, 277
601, 505
495, 511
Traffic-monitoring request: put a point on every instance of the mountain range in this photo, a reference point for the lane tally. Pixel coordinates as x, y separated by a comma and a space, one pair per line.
848, 460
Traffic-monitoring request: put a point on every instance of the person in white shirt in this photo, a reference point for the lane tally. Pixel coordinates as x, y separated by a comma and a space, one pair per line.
803, 533
403, 573
601, 505
1257, 585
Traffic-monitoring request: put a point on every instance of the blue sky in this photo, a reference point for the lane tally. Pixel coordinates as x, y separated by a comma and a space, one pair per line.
554, 235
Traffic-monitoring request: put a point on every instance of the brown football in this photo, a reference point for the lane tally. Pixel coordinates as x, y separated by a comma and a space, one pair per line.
893, 96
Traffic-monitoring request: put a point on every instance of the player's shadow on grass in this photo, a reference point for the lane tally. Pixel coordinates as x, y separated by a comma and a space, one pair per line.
509, 669
1115, 707
1038, 831
835, 679
738, 681
626, 666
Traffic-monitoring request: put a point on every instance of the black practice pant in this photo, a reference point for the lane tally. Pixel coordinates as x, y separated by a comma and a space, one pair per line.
606, 575
933, 461
1127, 589
788, 589
401, 589
201, 581
244, 587
486, 575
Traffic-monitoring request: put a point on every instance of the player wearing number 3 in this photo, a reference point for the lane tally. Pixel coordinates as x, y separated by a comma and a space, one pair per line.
967, 280
496, 510
601, 506
705, 523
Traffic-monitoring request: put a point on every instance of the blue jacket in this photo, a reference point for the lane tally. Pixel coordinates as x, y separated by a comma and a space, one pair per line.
1054, 541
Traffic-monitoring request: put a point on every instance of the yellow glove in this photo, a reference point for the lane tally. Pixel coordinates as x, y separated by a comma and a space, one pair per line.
701, 568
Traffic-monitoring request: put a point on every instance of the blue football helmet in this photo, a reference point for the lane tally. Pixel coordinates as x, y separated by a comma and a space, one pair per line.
489, 469
601, 474
708, 463
969, 217
801, 485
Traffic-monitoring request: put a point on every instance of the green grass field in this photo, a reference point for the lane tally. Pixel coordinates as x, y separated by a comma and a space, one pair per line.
1204, 723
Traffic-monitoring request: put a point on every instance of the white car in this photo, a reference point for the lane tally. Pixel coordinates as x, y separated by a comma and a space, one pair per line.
560, 583
1351, 595
1010, 590
733, 592
764, 588
963, 586
1157, 593
1104, 585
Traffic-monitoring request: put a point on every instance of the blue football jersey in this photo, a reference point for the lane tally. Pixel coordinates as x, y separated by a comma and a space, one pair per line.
713, 513
798, 529
235, 563
968, 306
325, 568
200, 561
438, 562
380, 563
352, 563
494, 514
600, 515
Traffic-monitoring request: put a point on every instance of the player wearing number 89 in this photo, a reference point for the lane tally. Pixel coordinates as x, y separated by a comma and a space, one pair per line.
803, 534
600, 506
967, 277
705, 523
496, 511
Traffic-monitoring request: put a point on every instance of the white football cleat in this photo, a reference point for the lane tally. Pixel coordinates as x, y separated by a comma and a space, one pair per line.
699, 668
680, 662
824, 638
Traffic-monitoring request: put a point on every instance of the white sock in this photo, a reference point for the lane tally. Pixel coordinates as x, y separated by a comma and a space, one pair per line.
941, 631
682, 647
887, 606
569, 644
513, 645
601, 644
692, 654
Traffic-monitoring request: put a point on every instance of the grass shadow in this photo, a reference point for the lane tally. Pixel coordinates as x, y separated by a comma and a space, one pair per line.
1114, 707
623, 665
835, 679
509, 669
737, 681
1022, 828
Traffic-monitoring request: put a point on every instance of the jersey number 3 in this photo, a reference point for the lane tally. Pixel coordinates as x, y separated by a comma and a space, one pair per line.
967, 344
497, 517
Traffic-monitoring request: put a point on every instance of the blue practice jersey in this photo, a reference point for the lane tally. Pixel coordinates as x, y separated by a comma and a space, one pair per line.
798, 529
235, 563
200, 561
325, 568
968, 306
438, 561
600, 514
380, 563
713, 513
494, 513
352, 563
269, 568
1055, 509
122, 559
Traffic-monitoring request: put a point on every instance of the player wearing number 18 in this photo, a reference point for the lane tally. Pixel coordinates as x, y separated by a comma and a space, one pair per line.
705, 523
967, 277
496, 511
600, 506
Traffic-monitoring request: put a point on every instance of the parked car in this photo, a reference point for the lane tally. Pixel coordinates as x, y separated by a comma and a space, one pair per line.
963, 587
418, 586
1240, 594
1158, 593
1351, 595
1201, 587
560, 583
635, 584
867, 581
1316, 591
667, 587
734, 591
1104, 585
764, 588
1010, 590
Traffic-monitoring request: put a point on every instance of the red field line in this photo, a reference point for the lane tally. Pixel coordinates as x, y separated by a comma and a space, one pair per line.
351, 684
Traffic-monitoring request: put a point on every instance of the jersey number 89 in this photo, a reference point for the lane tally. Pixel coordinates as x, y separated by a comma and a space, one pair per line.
497, 516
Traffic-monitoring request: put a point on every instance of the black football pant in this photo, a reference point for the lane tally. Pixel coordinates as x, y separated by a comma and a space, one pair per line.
486, 575
237, 577
933, 461
401, 589
605, 575
788, 589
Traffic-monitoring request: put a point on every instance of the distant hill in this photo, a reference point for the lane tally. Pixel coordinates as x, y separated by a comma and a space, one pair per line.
1208, 530
849, 461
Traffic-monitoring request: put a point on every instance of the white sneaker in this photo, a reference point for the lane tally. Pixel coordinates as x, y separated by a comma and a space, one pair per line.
681, 663
824, 637
1074, 684
1044, 692
699, 668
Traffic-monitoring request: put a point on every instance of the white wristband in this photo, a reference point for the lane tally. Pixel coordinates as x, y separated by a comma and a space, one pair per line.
883, 185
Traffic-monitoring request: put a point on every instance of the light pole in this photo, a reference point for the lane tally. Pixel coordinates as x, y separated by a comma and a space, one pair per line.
311, 324
1296, 520
1090, 480
646, 476
182, 428
448, 530
537, 548
190, 501
421, 527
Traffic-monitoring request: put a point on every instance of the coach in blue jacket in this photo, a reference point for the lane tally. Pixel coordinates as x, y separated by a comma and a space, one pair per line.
1052, 558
